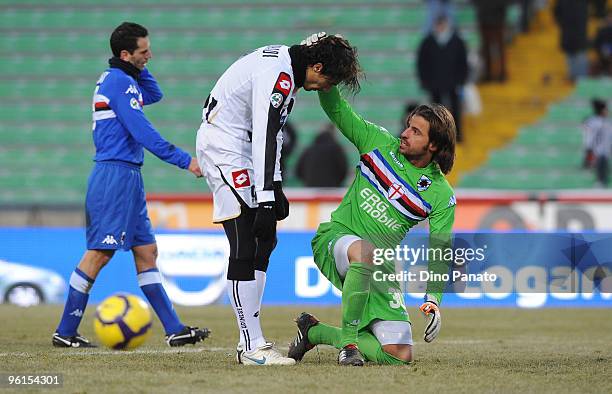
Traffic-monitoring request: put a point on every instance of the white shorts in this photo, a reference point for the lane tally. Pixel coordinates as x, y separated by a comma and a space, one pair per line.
229, 173
392, 332
341, 253
387, 332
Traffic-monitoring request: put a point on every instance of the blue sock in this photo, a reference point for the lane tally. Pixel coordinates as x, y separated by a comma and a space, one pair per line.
78, 294
150, 283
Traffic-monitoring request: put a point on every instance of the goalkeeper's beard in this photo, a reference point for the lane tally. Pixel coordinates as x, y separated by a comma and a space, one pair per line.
418, 155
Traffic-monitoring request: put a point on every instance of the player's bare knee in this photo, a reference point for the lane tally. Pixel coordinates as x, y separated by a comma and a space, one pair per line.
145, 257
94, 260
407, 358
401, 352
102, 257
149, 252
361, 252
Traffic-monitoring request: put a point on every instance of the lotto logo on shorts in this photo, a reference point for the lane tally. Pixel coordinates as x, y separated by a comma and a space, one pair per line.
283, 83
241, 179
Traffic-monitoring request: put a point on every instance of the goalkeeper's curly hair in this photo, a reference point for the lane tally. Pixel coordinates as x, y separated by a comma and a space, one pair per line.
339, 59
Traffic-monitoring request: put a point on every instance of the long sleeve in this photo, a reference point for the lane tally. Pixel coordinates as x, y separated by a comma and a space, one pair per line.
151, 92
462, 73
440, 237
270, 90
421, 64
125, 103
278, 176
363, 134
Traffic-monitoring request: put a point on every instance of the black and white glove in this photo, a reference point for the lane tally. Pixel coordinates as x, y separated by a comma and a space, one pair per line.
265, 221
434, 319
281, 204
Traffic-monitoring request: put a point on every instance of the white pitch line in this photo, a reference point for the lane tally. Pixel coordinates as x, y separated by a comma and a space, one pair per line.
464, 341
83, 352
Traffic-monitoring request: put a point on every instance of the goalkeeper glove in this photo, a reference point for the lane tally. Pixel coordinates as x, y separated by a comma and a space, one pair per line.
265, 221
434, 319
313, 38
281, 204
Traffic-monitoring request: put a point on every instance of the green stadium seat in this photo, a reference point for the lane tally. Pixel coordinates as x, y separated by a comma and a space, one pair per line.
546, 155
596, 87
163, 41
544, 137
568, 113
223, 18
58, 48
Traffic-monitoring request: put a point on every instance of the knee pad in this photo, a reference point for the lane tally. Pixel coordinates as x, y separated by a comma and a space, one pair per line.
261, 263
240, 269
264, 250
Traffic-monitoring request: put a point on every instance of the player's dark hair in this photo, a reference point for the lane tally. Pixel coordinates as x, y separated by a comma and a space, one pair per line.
339, 59
599, 106
442, 133
125, 37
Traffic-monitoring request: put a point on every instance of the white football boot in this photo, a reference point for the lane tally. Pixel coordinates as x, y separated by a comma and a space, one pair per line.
239, 353
263, 355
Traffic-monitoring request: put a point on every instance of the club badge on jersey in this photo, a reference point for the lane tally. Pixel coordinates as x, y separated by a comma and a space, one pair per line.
423, 183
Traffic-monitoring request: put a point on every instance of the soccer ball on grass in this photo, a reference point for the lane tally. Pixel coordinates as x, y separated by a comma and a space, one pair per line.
123, 321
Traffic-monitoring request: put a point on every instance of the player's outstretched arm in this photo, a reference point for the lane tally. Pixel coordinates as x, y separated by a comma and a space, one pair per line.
129, 112
363, 134
440, 237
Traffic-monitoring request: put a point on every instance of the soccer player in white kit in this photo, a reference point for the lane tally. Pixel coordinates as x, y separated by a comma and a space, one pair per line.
238, 148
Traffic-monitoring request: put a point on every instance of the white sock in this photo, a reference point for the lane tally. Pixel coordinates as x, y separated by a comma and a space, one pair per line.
244, 298
260, 278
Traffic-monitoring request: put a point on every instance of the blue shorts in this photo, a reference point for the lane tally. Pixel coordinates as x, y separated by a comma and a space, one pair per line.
115, 207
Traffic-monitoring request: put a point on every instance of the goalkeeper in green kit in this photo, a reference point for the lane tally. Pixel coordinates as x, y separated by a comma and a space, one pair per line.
399, 182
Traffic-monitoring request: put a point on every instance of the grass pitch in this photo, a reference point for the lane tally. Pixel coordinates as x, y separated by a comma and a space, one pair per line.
479, 350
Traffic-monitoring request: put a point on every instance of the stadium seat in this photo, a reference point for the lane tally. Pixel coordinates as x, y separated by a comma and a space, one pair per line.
548, 154
58, 48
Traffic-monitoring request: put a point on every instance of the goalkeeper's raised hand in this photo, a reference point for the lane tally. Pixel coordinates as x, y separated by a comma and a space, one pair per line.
434, 319
313, 38
316, 37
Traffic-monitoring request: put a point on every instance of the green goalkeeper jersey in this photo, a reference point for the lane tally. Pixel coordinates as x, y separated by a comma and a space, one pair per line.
389, 195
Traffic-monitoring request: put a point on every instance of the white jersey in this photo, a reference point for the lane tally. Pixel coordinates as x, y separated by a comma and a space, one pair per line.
239, 142
597, 136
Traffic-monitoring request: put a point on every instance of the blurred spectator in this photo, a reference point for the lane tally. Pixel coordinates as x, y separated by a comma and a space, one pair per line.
442, 67
603, 46
598, 141
324, 162
599, 8
491, 16
527, 10
436, 8
289, 143
571, 15
408, 108
588, 159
